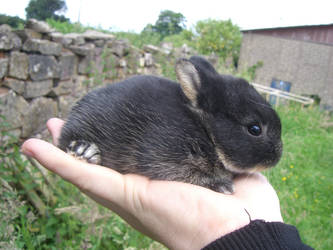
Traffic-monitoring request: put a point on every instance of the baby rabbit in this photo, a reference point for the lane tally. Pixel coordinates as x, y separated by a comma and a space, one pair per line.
203, 130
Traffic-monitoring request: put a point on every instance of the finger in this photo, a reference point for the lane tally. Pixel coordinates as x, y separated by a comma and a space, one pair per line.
111, 189
54, 126
94, 179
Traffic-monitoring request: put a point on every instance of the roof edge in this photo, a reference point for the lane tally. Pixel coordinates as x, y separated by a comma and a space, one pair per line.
288, 27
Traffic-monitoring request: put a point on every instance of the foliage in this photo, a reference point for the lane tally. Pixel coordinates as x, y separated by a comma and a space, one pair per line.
24, 226
139, 40
211, 37
220, 37
178, 40
249, 73
253, 69
44, 9
13, 21
66, 26
10, 198
303, 178
168, 23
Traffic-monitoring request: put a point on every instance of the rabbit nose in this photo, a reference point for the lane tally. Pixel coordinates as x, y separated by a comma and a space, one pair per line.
274, 152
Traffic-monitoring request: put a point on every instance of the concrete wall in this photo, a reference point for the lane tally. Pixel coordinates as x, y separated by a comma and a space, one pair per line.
308, 66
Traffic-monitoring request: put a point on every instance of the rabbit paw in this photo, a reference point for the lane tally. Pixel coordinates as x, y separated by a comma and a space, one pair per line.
84, 150
225, 187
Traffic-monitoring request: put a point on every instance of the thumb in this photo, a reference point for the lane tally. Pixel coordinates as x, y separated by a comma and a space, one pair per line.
54, 125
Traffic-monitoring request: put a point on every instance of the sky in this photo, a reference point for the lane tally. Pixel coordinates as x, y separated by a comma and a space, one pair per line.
134, 15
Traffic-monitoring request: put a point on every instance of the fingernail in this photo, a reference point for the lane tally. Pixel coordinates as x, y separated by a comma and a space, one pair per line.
26, 152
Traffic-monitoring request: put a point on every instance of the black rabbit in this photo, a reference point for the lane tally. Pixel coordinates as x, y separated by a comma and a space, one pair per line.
202, 130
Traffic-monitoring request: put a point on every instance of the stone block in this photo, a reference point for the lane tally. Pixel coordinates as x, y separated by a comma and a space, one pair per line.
149, 60
9, 41
65, 104
12, 107
68, 39
96, 35
15, 84
38, 26
39, 111
99, 60
133, 60
68, 65
152, 49
99, 43
85, 50
61, 88
5, 28
150, 71
42, 67
92, 63
44, 47
26, 34
3, 67
76, 87
3, 91
122, 63
60, 38
77, 39
80, 86
167, 48
119, 47
85, 65
37, 88
18, 65
141, 62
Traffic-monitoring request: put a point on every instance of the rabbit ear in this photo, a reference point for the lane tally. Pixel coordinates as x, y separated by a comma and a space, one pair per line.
189, 79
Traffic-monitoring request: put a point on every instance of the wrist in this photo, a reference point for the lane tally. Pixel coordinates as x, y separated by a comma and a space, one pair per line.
221, 227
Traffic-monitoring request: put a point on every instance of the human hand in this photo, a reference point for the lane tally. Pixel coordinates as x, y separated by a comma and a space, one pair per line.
179, 215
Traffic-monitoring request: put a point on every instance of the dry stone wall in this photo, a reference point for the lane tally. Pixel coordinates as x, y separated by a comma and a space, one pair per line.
43, 72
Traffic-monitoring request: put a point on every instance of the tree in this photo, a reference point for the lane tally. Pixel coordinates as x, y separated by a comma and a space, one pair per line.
168, 23
44, 9
13, 21
220, 37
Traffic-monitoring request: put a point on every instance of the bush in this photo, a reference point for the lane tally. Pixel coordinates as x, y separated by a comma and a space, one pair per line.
178, 40
141, 39
220, 37
13, 21
66, 26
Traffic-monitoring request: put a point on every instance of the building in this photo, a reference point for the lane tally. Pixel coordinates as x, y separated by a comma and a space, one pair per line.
300, 55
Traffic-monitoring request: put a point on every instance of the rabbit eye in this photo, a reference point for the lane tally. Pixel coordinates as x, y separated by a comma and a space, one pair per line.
254, 130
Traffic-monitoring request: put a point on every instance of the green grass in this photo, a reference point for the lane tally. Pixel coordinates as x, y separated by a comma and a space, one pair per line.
303, 180
304, 177
69, 230
24, 225
66, 27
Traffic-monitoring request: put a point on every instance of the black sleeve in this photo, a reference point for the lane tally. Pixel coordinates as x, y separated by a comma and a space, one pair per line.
261, 235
